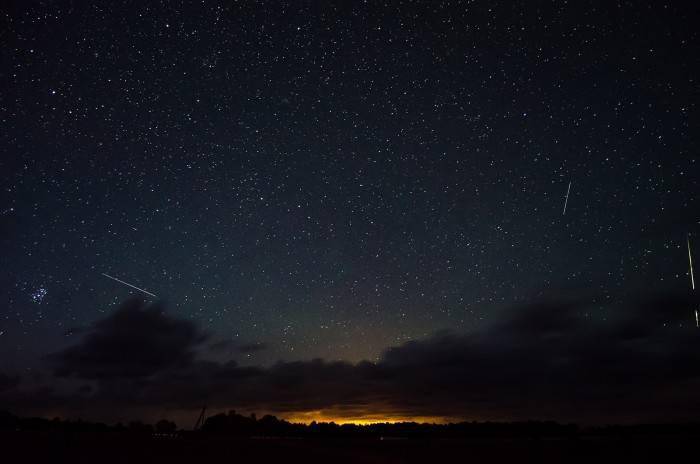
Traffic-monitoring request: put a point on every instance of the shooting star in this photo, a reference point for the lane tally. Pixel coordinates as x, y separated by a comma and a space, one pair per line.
697, 322
566, 201
690, 262
128, 284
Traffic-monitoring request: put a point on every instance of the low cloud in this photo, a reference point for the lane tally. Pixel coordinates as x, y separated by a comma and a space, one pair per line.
133, 342
544, 361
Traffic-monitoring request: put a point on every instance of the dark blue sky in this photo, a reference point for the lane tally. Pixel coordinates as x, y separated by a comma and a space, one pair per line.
329, 180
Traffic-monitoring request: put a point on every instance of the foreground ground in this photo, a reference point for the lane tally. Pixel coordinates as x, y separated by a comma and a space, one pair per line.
94, 448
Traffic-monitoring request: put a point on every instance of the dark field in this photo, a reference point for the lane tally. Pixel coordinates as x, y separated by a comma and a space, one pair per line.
115, 448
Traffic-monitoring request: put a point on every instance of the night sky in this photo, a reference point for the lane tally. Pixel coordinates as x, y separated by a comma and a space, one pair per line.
332, 180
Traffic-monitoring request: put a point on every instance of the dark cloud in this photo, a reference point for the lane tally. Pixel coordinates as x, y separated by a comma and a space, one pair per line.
547, 361
76, 331
135, 341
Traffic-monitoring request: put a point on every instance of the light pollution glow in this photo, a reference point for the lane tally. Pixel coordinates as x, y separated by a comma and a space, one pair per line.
307, 417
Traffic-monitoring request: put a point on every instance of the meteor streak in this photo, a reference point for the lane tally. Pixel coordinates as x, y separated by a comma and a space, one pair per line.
128, 284
566, 201
690, 262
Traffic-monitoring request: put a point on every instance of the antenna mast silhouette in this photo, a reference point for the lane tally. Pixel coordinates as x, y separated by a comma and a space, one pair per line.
202, 417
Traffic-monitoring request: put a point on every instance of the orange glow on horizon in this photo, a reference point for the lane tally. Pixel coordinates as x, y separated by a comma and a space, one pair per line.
307, 417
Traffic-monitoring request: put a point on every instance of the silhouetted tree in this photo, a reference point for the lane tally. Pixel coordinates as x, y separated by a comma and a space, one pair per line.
165, 426
138, 427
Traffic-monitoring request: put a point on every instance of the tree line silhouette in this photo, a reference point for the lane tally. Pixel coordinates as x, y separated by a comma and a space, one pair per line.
232, 424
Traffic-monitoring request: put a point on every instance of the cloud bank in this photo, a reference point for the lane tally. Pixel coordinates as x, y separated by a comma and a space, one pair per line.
545, 361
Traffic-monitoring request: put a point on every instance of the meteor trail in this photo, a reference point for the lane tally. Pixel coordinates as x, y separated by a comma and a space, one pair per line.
566, 201
128, 284
690, 262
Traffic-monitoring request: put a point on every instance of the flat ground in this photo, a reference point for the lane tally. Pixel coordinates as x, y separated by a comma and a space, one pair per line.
96, 448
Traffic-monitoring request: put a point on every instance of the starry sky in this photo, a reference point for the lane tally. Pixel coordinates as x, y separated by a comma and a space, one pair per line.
331, 179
